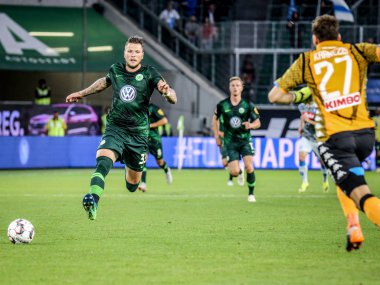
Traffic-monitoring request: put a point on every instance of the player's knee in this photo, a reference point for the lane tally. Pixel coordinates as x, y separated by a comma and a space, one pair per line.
353, 180
235, 172
249, 169
131, 187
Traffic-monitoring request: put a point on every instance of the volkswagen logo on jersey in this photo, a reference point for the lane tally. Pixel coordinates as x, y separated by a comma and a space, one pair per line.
235, 122
128, 93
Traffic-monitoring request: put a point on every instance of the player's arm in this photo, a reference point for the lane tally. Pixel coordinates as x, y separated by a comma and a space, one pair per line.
160, 122
167, 92
96, 87
306, 119
252, 125
215, 129
292, 78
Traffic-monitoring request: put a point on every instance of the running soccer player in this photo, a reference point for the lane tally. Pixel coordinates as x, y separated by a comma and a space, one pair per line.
157, 118
127, 129
336, 74
224, 154
239, 117
307, 144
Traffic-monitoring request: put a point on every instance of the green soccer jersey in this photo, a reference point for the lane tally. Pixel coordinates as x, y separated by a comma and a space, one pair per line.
131, 96
155, 114
231, 119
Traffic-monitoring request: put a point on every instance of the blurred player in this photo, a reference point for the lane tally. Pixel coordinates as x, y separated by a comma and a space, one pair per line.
376, 118
239, 117
309, 143
157, 118
336, 74
127, 129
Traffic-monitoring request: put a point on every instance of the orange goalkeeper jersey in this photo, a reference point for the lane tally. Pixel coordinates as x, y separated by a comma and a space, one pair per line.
336, 73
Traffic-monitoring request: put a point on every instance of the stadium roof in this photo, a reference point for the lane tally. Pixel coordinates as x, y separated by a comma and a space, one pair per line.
51, 39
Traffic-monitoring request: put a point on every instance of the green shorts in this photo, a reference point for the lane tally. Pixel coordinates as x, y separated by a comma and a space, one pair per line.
155, 147
130, 149
237, 150
223, 152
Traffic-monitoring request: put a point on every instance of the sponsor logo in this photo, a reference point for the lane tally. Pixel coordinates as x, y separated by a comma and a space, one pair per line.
139, 77
235, 122
128, 93
342, 102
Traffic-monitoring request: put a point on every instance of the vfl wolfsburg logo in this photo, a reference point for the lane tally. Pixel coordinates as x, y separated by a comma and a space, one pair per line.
139, 77
241, 110
128, 93
235, 122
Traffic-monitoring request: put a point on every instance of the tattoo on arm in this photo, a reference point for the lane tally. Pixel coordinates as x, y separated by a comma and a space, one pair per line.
96, 87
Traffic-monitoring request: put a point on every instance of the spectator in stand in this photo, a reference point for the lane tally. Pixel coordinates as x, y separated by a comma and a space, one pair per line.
248, 76
170, 16
192, 30
56, 126
42, 93
295, 31
211, 13
209, 33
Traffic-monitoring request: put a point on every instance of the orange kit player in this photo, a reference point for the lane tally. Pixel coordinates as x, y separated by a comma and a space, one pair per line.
336, 76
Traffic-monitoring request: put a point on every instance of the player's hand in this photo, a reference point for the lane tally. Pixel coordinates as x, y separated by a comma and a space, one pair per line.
163, 87
247, 125
74, 97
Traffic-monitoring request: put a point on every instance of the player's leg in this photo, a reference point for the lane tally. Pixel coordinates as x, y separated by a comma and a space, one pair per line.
377, 146
354, 232
240, 178
224, 153
343, 156
251, 179
303, 152
155, 148
233, 161
134, 157
104, 162
142, 185
247, 152
132, 179
325, 183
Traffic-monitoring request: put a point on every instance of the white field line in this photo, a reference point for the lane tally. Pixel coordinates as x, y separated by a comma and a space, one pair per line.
174, 196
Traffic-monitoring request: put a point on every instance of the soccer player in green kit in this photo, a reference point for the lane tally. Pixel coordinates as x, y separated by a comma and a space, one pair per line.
239, 117
157, 118
126, 135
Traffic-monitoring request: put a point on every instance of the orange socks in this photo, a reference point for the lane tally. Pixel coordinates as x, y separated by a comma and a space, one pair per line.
372, 210
347, 204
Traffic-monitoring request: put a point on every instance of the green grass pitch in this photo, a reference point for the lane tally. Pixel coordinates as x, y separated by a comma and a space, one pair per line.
195, 231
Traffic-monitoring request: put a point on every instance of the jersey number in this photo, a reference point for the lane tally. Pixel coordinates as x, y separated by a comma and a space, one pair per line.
330, 71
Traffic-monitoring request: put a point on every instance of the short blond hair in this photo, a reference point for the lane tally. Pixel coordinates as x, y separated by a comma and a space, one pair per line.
233, 78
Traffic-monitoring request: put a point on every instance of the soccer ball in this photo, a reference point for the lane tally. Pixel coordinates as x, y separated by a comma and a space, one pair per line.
21, 231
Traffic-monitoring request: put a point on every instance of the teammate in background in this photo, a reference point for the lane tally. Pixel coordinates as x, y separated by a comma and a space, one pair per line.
336, 74
42, 93
56, 126
224, 153
103, 119
126, 135
239, 117
309, 143
376, 118
157, 118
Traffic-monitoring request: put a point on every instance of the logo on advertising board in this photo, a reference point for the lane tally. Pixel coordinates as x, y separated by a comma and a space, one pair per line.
17, 44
